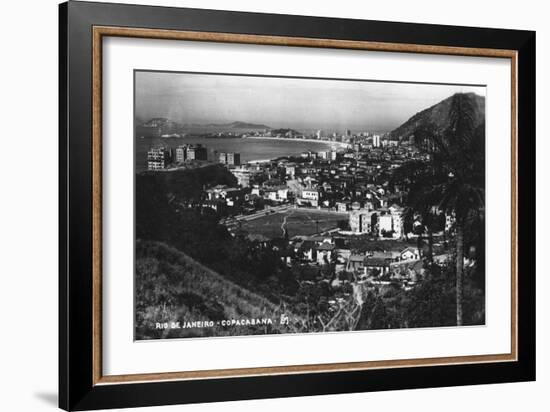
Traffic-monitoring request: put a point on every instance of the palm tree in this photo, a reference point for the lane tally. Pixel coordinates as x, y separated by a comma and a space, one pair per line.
452, 178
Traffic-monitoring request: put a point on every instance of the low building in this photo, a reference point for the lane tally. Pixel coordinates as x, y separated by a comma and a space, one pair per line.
310, 194
342, 207
408, 269
276, 193
325, 253
231, 195
375, 266
307, 251
409, 253
290, 170
246, 175
243, 177
356, 262
295, 187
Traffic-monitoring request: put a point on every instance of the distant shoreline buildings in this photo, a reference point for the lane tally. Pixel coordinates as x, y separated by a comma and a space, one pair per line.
229, 158
159, 158
162, 157
344, 181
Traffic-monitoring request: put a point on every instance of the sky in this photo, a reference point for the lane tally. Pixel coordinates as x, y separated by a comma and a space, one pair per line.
301, 104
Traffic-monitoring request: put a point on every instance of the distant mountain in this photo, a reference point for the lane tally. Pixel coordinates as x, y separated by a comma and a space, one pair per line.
159, 122
244, 125
233, 125
156, 127
159, 126
285, 131
437, 116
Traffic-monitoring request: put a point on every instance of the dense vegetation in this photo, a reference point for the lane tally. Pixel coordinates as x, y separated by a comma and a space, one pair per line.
432, 302
452, 181
172, 287
182, 185
196, 232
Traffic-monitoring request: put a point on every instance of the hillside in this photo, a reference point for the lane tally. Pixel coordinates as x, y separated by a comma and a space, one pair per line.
185, 184
437, 116
171, 286
285, 131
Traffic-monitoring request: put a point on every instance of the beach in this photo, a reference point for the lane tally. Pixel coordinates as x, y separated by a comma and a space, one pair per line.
252, 149
290, 139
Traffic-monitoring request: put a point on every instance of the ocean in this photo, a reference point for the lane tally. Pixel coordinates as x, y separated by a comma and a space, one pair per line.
250, 149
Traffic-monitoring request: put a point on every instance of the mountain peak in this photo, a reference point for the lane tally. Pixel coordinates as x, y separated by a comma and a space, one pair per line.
438, 116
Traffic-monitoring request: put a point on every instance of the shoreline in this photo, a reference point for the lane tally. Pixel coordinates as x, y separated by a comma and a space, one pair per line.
341, 144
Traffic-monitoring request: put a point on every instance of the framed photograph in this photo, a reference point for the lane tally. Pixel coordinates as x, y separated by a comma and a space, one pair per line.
257, 205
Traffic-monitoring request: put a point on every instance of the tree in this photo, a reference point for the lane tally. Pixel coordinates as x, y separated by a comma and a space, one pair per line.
452, 178
461, 149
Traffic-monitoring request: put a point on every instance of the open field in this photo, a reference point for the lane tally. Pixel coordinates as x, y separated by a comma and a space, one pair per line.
296, 221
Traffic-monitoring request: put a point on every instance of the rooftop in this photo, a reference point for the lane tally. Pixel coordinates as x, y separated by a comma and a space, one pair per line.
325, 246
376, 262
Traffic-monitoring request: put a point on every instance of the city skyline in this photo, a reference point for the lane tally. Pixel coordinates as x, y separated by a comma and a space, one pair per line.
298, 103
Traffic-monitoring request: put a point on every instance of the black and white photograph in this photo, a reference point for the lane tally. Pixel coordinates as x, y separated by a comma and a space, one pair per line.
275, 206
288, 205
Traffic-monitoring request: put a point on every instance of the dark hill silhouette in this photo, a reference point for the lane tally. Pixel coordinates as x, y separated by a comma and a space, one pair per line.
437, 116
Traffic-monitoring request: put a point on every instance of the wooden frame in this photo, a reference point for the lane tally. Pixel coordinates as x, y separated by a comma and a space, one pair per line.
81, 180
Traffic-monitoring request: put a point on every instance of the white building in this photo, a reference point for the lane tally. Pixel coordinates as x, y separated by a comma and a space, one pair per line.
244, 175
398, 227
158, 158
385, 223
276, 193
230, 195
392, 222
290, 170
181, 154
409, 253
362, 221
324, 253
341, 206
310, 194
